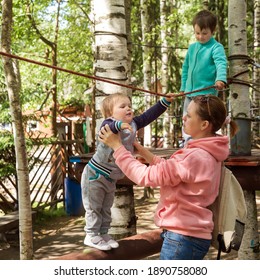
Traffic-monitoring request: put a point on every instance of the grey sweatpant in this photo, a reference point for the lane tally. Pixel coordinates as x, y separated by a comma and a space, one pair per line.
98, 196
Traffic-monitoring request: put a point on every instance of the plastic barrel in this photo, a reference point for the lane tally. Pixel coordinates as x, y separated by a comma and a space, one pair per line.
241, 142
73, 199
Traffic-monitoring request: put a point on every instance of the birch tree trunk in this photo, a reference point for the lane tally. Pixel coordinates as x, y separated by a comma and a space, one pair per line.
111, 62
110, 49
240, 111
239, 92
167, 122
128, 4
256, 77
249, 249
164, 67
147, 72
205, 5
164, 51
12, 77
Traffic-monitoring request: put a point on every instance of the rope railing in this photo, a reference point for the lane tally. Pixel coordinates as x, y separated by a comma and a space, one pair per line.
97, 78
232, 80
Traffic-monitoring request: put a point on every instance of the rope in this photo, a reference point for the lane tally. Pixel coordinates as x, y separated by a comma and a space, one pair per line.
235, 80
98, 78
245, 57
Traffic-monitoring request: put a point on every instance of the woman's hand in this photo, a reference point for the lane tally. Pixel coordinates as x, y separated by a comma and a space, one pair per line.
143, 152
109, 138
139, 148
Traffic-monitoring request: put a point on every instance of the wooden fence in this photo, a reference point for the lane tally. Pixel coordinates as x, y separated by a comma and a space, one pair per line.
48, 167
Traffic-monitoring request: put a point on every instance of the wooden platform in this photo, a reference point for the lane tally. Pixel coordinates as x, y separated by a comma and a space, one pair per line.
11, 221
252, 160
245, 168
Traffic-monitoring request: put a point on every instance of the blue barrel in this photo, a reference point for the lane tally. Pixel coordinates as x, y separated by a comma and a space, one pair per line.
241, 142
73, 199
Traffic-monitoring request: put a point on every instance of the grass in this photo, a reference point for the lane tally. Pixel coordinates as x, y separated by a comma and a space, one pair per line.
50, 213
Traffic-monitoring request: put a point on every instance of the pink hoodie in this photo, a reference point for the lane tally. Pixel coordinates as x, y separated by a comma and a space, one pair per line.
188, 183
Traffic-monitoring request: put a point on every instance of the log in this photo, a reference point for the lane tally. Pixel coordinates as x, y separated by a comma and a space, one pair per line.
135, 247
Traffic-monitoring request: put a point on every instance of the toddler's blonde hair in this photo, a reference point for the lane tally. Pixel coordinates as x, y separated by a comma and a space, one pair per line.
108, 103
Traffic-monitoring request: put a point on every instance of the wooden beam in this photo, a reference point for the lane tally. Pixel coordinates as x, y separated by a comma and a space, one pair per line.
135, 247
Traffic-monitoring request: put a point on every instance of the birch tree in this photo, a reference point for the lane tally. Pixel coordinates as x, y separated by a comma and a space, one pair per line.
163, 18
111, 62
240, 111
147, 71
166, 8
164, 71
205, 5
12, 76
256, 75
110, 48
128, 4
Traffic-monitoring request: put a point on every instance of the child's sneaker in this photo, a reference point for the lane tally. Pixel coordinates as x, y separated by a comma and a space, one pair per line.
97, 242
110, 241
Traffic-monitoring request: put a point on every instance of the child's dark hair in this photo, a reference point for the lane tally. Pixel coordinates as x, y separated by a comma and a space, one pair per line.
211, 108
205, 19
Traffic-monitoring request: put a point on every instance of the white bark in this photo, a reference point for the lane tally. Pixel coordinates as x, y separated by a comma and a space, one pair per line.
239, 97
256, 76
112, 62
240, 107
164, 50
123, 213
146, 65
110, 44
129, 46
249, 249
205, 4
13, 87
111, 57
167, 122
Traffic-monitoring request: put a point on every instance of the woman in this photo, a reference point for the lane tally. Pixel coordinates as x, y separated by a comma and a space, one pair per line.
188, 180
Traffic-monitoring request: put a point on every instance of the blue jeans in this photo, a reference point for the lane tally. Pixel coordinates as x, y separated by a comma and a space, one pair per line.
180, 247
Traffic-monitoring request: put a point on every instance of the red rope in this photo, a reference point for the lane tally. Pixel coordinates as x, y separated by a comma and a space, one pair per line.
97, 78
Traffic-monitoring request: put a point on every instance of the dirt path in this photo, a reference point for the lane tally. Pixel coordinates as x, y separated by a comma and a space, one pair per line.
63, 235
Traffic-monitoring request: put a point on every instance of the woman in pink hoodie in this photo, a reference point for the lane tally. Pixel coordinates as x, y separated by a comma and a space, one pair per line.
188, 180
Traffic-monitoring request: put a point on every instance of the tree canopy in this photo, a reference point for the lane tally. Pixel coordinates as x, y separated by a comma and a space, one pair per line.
40, 27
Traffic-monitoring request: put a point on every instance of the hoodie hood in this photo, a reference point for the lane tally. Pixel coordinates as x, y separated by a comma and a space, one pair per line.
217, 146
